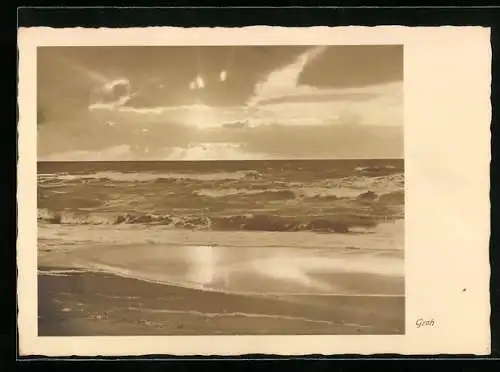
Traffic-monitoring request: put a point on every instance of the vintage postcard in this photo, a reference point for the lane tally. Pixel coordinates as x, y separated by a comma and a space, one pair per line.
255, 190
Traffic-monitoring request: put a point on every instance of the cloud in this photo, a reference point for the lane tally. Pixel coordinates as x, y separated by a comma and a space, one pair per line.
279, 116
318, 97
333, 141
236, 125
213, 151
112, 105
277, 98
247, 143
113, 95
280, 98
283, 80
110, 85
107, 129
122, 152
199, 151
375, 105
197, 115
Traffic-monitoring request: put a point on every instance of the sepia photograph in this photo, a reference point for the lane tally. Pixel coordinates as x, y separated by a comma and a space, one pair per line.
220, 190
263, 190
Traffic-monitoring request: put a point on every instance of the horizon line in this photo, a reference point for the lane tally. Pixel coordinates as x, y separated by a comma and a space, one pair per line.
212, 160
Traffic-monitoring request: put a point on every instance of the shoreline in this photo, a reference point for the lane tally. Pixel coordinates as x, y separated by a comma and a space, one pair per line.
99, 304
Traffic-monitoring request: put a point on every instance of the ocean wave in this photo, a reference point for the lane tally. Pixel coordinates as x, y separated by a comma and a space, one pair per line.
246, 222
325, 193
63, 272
385, 237
374, 168
274, 194
148, 177
386, 183
321, 193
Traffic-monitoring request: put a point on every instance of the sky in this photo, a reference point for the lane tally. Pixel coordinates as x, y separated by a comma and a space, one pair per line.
219, 102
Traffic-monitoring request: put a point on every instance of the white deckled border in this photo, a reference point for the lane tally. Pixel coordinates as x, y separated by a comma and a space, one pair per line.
447, 155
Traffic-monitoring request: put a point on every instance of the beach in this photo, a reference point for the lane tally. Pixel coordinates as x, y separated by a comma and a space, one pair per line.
97, 304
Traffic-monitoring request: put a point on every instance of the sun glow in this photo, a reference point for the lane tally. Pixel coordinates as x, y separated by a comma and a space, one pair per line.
223, 76
200, 83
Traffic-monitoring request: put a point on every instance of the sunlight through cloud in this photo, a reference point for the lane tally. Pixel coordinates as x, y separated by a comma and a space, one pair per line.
200, 83
223, 75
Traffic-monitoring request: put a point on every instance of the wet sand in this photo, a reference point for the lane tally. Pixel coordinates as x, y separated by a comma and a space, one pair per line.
98, 304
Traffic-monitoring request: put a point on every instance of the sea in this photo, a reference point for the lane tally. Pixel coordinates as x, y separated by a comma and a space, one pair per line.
253, 228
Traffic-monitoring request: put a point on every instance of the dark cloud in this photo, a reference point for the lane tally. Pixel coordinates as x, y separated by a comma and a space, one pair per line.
161, 75
348, 66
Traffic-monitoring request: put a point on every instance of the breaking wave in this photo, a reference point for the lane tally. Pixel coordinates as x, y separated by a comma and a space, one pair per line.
388, 182
375, 168
149, 177
321, 193
247, 222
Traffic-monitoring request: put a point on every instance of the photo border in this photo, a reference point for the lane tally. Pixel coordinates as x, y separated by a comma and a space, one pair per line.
405, 128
